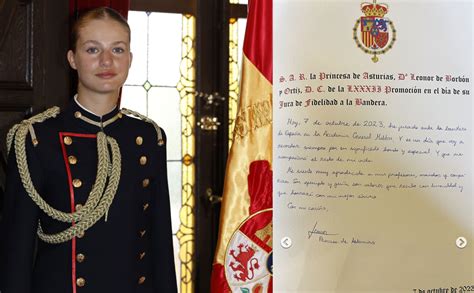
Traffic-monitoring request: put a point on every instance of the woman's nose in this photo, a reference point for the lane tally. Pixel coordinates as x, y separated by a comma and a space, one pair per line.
105, 58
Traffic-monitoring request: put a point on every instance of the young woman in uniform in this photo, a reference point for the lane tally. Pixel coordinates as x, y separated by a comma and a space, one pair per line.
87, 205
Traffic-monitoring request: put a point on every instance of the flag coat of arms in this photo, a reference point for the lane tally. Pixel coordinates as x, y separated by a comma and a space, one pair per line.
243, 259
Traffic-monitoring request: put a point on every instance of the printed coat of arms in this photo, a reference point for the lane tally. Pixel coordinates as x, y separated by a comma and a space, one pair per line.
374, 33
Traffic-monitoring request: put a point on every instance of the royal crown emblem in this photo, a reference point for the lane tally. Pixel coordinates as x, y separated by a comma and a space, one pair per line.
374, 33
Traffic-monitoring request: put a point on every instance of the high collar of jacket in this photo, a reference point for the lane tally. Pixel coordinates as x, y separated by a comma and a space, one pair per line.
89, 120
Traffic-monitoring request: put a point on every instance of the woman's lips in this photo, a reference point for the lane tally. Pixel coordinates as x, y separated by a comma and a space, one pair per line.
106, 75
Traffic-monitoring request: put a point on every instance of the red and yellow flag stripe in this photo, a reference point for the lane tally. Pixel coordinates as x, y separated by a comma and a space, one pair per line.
247, 187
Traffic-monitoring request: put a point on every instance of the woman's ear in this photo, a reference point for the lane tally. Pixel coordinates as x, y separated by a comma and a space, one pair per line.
131, 59
71, 60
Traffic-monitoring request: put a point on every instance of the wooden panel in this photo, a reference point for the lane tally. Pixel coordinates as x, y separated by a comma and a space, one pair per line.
14, 98
15, 44
51, 71
238, 10
34, 74
170, 6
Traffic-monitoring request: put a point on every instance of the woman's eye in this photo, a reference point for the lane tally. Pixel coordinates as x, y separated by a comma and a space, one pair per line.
92, 50
118, 50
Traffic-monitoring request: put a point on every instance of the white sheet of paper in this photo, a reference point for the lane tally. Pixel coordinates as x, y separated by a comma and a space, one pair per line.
373, 160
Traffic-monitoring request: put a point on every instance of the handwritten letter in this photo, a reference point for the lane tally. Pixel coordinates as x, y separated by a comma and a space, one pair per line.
373, 160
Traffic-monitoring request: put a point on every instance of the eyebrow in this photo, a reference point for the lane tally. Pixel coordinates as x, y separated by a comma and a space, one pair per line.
98, 43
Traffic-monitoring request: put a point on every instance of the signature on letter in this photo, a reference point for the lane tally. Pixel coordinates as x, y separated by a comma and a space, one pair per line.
316, 231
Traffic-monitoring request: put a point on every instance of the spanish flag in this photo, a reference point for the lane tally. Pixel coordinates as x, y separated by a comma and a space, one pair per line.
243, 260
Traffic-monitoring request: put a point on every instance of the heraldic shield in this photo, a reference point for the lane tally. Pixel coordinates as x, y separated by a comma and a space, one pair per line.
374, 33
248, 261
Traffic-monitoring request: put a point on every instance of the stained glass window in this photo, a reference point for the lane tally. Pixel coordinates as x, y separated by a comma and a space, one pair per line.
161, 85
236, 41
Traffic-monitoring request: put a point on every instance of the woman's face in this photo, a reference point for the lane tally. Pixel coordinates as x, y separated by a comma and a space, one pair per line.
102, 57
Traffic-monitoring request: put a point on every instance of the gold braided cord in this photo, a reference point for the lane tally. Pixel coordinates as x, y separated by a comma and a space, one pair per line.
98, 211
146, 119
100, 124
50, 113
99, 185
97, 203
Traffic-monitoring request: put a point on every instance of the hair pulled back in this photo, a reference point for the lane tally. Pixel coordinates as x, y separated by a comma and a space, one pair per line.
96, 14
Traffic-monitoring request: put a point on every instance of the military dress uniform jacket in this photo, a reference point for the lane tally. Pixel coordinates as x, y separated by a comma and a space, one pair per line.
129, 250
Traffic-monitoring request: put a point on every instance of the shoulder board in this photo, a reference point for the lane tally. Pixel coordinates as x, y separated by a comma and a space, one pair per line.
28, 123
159, 134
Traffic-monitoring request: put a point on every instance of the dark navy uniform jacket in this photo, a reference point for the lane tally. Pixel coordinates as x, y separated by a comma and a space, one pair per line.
129, 252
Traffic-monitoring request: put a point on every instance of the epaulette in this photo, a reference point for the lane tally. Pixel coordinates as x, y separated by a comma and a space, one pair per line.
28, 123
146, 119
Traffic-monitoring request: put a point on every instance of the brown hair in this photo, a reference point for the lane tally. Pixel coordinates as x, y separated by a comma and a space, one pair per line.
95, 14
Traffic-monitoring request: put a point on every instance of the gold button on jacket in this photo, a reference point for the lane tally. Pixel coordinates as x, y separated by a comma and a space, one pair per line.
77, 183
141, 280
72, 160
80, 258
80, 282
67, 140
